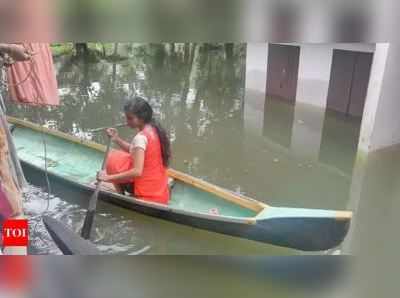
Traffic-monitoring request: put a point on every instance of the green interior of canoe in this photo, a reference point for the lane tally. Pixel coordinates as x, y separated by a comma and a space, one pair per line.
80, 163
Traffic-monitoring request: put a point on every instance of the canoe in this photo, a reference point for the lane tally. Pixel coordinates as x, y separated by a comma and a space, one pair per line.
194, 202
66, 240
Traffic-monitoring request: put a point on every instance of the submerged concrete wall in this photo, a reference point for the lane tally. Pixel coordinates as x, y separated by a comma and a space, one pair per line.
372, 98
380, 124
381, 119
387, 122
315, 70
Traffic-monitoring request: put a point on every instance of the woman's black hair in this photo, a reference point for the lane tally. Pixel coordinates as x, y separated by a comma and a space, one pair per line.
142, 109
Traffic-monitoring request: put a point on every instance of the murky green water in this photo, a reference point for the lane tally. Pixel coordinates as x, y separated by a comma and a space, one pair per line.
297, 156
179, 276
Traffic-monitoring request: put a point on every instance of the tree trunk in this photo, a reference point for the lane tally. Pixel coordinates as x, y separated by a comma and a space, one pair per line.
229, 51
115, 49
81, 49
172, 48
192, 52
104, 50
185, 89
186, 53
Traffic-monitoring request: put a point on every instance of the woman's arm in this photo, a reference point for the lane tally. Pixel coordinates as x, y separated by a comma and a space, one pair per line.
124, 145
113, 134
138, 155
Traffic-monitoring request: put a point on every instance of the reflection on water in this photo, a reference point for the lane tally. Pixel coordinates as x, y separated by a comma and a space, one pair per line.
278, 121
346, 129
197, 92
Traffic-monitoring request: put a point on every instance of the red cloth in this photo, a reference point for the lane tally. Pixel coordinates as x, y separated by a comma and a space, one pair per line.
152, 185
34, 81
118, 162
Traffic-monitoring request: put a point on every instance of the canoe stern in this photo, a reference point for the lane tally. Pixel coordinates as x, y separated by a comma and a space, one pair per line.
304, 229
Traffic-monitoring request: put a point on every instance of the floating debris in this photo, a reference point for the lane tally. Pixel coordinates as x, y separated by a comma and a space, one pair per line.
213, 211
300, 121
50, 162
276, 160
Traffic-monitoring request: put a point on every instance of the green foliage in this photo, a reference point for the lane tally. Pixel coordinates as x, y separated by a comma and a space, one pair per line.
60, 49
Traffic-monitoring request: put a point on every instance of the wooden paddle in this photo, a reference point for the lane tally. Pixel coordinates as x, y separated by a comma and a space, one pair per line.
104, 128
91, 211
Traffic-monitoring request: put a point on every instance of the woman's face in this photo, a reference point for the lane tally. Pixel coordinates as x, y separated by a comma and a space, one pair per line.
133, 121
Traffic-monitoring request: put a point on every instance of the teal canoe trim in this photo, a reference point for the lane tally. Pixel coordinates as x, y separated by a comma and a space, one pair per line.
285, 212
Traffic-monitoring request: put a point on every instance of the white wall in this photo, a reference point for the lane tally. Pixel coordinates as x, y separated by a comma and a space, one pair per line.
359, 47
315, 69
256, 66
381, 122
373, 95
386, 130
314, 73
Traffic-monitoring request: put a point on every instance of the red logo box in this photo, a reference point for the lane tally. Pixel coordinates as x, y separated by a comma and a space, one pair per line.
15, 232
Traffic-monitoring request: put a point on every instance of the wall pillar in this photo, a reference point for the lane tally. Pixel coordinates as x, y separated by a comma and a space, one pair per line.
314, 74
307, 131
311, 97
380, 123
255, 87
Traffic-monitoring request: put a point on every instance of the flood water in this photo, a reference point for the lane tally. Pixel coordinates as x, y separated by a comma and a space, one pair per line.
278, 153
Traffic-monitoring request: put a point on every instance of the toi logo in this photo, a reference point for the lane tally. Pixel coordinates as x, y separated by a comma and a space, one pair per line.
15, 232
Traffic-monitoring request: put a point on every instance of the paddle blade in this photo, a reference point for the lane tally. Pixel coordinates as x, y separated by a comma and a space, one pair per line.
67, 241
88, 224
90, 214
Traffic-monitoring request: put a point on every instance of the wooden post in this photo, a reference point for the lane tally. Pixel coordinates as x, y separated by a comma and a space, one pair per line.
10, 180
9, 185
16, 169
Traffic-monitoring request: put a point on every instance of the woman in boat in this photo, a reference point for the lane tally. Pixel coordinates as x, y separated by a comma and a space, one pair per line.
141, 167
